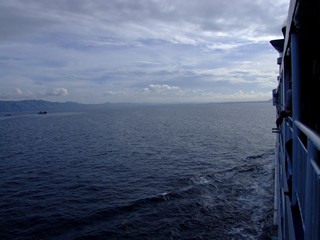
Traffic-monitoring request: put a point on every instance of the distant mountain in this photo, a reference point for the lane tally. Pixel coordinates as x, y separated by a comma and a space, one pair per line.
41, 105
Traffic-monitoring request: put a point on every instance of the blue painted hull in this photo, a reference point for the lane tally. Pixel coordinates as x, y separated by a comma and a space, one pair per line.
297, 176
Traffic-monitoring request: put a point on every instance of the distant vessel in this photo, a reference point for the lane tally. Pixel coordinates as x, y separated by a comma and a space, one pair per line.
297, 171
42, 112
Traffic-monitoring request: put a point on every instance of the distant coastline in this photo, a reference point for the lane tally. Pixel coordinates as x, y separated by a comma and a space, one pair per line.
42, 105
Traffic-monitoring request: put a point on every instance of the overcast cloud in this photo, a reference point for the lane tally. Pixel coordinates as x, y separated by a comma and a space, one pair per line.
139, 50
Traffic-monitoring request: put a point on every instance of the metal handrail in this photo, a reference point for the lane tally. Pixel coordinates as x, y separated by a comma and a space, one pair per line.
311, 134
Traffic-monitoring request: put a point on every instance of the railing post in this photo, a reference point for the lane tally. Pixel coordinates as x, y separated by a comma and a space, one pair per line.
310, 194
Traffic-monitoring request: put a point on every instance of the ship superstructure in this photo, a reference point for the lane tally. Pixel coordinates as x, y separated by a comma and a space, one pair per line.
297, 100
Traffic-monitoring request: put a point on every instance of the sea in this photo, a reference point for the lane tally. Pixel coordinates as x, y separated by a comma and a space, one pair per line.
184, 171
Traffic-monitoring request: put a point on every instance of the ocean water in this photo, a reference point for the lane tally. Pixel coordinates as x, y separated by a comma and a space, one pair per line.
202, 171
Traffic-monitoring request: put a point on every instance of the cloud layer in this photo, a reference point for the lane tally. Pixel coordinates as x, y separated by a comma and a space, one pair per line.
134, 51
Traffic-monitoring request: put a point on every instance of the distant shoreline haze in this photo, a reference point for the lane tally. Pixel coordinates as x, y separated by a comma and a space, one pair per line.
42, 105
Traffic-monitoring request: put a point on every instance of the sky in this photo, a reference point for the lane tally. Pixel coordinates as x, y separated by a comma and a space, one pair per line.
139, 51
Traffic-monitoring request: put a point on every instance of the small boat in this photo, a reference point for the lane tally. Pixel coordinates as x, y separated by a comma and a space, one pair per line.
44, 112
